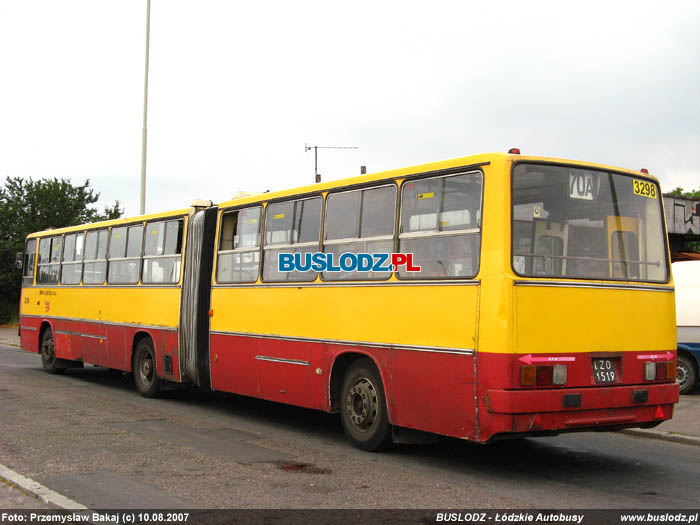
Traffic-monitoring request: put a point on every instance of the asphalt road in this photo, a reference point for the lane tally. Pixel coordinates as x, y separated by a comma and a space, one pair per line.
89, 436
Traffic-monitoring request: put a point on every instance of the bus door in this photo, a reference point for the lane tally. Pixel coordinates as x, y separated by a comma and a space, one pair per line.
623, 244
550, 247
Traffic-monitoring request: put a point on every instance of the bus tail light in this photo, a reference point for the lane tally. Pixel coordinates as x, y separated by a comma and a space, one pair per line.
659, 371
544, 375
528, 375
670, 371
649, 371
559, 375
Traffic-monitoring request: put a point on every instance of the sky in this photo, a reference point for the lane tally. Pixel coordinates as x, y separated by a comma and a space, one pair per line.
237, 89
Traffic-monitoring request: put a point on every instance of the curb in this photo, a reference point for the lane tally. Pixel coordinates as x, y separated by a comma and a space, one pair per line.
38, 490
10, 343
663, 436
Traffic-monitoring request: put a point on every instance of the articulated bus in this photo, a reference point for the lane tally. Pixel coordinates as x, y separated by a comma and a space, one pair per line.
543, 301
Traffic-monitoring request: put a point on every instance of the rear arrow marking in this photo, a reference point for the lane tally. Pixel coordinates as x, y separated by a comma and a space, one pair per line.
667, 355
547, 359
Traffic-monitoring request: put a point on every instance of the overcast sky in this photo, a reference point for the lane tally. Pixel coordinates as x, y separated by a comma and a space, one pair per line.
238, 88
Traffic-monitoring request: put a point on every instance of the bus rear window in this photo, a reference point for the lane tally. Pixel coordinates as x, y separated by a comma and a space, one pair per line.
578, 223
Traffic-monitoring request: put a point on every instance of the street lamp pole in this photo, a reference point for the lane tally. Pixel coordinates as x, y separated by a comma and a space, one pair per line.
145, 112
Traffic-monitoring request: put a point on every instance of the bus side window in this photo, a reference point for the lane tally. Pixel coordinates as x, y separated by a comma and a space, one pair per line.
440, 225
29, 260
49, 259
360, 221
72, 267
239, 246
125, 254
291, 227
162, 252
95, 265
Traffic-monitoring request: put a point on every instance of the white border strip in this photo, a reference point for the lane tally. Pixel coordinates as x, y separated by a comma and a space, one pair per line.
35, 488
281, 360
391, 346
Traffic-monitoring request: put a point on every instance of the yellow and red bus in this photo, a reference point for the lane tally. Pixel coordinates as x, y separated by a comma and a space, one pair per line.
544, 301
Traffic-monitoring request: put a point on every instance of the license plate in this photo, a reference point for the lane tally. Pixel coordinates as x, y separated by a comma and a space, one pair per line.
604, 371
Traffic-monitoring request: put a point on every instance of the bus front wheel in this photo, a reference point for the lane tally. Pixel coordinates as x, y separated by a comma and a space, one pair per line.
363, 407
145, 376
49, 361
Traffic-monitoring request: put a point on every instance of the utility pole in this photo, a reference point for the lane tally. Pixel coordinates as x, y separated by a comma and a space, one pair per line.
145, 112
317, 175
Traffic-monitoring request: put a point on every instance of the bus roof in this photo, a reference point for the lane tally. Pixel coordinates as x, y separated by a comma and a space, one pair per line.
472, 160
114, 222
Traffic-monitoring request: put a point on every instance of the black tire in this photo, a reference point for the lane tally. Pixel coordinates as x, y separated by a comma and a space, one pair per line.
686, 374
145, 376
363, 407
49, 361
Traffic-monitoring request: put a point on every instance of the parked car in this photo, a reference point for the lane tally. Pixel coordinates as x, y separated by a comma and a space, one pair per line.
686, 275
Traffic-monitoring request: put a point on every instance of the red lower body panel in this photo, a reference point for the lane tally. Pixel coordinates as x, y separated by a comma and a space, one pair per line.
453, 393
425, 390
108, 345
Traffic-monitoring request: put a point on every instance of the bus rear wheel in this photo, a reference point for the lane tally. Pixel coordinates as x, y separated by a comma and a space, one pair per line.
49, 361
686, 375
363, 407
145, 376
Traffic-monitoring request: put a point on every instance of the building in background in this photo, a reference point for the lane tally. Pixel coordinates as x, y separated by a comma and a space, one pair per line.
683, 222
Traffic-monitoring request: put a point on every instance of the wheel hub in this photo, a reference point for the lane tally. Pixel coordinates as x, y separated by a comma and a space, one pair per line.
681, 374
147, 370
47, 349
361, 404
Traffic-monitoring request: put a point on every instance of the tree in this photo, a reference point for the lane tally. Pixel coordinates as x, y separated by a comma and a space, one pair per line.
27, 206
680, 192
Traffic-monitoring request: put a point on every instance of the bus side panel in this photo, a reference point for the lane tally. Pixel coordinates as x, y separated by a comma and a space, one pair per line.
29, 325
29, 333
116, 347
93, 343
282, 368
436, 318
232, 364
67, 340
170, 349
433, 392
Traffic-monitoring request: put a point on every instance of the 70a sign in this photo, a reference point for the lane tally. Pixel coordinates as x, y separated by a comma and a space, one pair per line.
583, 185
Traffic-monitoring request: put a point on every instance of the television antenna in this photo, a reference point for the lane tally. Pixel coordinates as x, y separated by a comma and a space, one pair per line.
317, 175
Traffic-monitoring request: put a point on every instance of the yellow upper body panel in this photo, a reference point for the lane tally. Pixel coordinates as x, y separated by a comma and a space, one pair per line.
492, 313
490, 316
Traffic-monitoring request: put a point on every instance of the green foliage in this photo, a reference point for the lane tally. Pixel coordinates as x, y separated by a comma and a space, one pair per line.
680, 192
28, 206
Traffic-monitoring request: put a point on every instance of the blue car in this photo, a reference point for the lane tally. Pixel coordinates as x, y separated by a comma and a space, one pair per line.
686, 275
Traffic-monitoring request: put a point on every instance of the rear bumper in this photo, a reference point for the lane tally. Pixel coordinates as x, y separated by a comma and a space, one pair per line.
553, 400
598, 408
